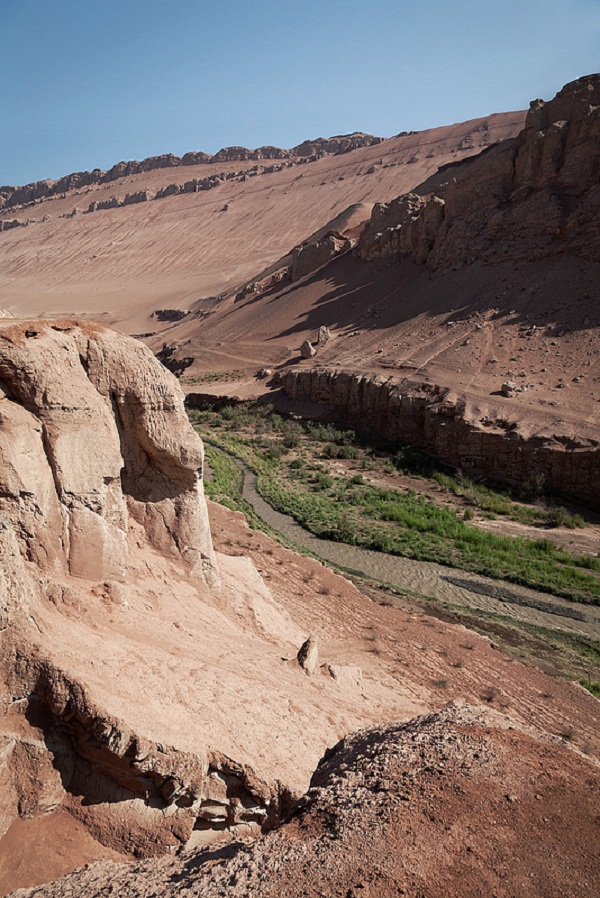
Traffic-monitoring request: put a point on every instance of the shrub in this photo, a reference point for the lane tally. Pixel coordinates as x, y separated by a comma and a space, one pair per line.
347, 452
324, 481
592, 686
273, 453
557, 516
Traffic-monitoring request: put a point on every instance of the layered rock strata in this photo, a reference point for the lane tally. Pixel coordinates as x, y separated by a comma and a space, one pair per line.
16, 196
430, 418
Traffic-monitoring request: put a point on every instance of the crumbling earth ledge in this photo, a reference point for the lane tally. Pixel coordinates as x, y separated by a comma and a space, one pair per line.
433, 419
462, 802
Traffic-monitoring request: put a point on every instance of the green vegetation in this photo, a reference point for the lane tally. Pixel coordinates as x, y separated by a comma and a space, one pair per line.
592, 686
498, 503
209, 377
311, 472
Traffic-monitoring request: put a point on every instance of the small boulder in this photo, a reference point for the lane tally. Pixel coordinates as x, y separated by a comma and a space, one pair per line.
307, 350
308, 656
509, 388
324, 335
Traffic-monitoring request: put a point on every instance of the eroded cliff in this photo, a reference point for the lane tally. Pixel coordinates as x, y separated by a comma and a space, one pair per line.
523, 199
436, 420
150, 694
93, 430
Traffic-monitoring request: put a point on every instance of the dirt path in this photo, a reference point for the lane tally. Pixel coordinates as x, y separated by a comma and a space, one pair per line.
433, 580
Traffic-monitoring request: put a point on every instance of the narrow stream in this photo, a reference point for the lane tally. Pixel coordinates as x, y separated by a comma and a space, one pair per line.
431, 580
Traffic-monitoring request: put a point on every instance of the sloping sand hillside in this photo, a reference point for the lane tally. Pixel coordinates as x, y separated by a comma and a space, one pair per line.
119, 264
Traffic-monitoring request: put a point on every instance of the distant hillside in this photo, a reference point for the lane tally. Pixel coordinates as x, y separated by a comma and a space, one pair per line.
134, 242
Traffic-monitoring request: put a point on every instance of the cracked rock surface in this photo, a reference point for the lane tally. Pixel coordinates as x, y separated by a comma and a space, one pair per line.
452, 804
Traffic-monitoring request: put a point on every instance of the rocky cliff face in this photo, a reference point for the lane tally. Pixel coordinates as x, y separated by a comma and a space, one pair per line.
147, 696
343, 143
524, 199
309, 256
430, 418
16, 196
93, 430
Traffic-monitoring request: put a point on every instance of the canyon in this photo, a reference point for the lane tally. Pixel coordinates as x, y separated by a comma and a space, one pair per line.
189, 705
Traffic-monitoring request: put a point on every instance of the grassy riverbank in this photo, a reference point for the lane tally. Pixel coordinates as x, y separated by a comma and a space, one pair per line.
344, 489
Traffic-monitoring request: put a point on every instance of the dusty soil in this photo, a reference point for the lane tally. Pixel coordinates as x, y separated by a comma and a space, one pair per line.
460, 804
469, 330
38, 849
423, 651
191, 658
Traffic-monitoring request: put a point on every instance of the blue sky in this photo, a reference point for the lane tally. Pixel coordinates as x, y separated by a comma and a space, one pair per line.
85, 84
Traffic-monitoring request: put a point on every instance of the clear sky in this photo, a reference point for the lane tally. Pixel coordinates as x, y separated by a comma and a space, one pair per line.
86, 83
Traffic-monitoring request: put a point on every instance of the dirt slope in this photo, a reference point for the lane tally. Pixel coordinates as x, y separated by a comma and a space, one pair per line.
480, 287
120, 264
152, 698
460, 803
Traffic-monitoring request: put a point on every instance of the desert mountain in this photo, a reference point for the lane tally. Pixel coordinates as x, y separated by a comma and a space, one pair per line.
172, 678
162, 234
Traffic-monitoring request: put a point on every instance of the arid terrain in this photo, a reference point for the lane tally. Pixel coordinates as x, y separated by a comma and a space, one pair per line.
191, 707
121, 265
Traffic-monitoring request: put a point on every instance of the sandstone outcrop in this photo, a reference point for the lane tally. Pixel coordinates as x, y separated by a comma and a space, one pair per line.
9, 224
94, 430
523, 199
343, 143
307, 257
308, 656
146, 692
430, 807
324, 335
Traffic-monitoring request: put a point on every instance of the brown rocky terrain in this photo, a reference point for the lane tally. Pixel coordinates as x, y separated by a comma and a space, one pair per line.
126, 645
464, 321
170, 685
152, 697
460, 803
529, 198
29, 194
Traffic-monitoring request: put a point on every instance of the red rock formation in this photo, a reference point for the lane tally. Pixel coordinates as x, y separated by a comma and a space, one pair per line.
523, 199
